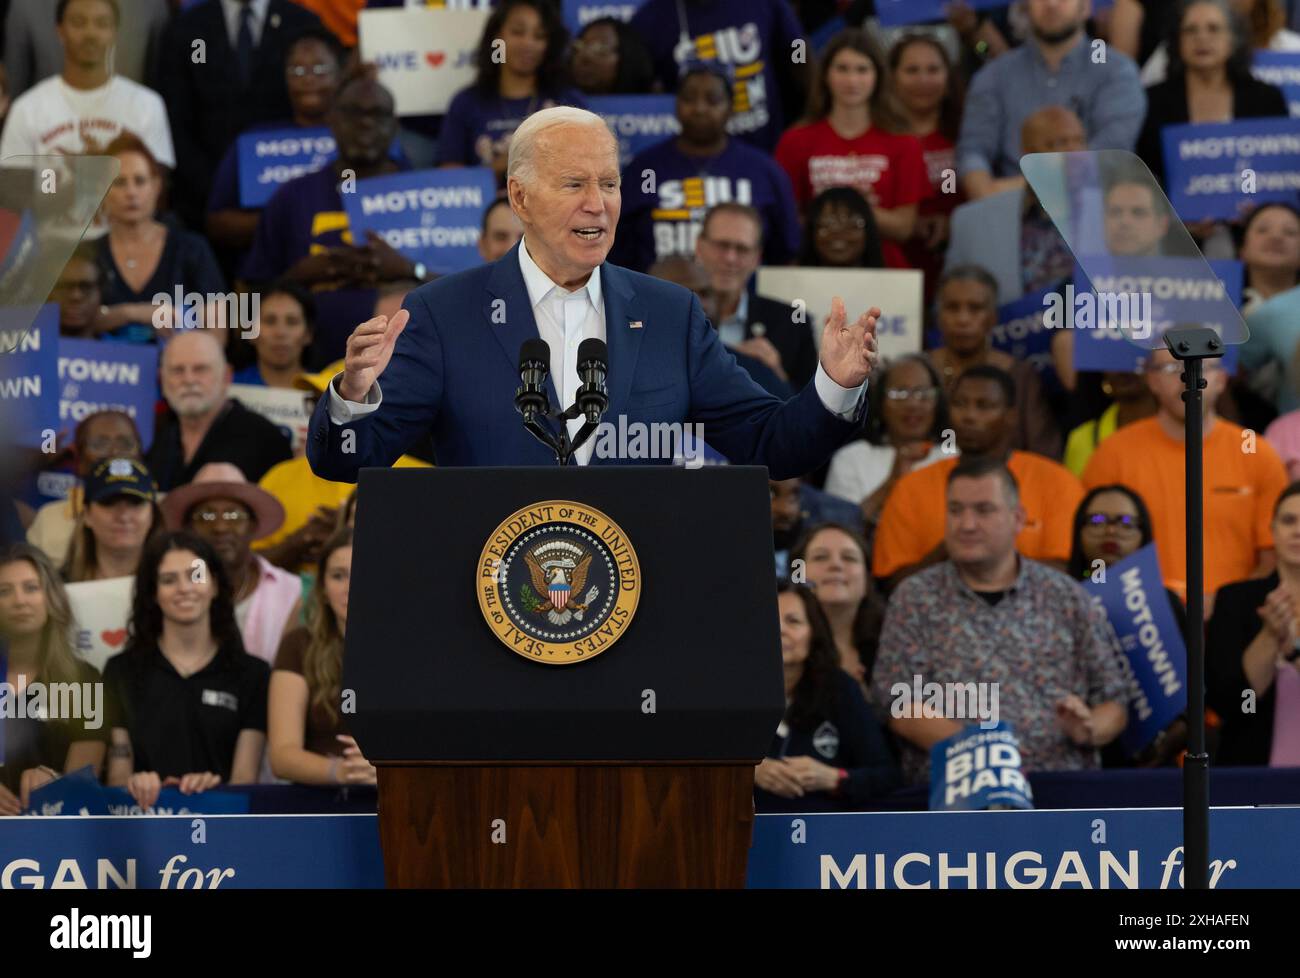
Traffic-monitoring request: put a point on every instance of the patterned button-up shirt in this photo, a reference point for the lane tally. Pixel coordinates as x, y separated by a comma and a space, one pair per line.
1041, 642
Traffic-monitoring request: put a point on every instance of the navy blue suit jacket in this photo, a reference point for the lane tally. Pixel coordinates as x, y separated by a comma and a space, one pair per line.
455, 369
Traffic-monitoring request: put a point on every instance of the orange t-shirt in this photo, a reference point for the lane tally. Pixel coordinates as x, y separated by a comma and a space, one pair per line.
1241, 487
912, 521
340, 16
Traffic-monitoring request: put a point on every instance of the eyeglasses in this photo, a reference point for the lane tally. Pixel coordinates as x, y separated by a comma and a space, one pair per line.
742, 250
230, 517
1165, 368
594, 48
923, 394
356, 113
834, 224
69, 288
113, 447
1121, 521
302, 71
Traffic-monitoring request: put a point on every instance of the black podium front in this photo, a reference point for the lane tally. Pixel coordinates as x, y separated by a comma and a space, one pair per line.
630, 766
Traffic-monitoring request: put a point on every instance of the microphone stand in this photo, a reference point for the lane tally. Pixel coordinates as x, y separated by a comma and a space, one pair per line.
563, 447
1192, 345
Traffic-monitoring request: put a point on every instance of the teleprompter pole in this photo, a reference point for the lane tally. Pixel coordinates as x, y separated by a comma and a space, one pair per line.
1193, 345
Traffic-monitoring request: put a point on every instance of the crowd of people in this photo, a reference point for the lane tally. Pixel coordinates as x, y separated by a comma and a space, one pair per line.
948, 541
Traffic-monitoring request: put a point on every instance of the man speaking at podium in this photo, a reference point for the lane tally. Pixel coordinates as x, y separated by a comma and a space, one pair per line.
450, 358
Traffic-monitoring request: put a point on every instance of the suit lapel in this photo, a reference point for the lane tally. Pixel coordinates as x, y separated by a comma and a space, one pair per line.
623, 341
508, 314
216, 34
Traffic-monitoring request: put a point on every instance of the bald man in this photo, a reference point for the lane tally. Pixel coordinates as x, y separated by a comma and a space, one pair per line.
203, 424
1009, 234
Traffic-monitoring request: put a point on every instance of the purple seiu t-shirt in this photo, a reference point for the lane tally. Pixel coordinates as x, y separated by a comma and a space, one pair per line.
668, 221
304, 217
749, 36
477, 126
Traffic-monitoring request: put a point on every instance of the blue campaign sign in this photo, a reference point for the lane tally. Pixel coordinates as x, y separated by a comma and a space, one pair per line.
96, 376
29, 351
172, 802
430, 216
639, 121
1155, 659
577, 14
1180, 291
159, 852
1020, 331
79, 793
1280, 68
887, 850
1217, 169
895, 13
978, 769
76, 793
1019, 850
269, 158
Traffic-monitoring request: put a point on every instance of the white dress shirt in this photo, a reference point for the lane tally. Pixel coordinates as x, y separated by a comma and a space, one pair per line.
231, 9
564, 319
732, 329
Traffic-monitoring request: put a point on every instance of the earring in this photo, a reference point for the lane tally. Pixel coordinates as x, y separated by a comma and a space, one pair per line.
1107, 388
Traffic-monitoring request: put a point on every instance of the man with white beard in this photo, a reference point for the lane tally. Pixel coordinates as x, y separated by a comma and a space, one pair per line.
203, 424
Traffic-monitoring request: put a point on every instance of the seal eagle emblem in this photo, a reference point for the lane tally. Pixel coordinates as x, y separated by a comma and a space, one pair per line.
558, 582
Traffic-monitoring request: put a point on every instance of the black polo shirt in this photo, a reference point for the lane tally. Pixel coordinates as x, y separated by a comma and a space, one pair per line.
238, 435
180, 725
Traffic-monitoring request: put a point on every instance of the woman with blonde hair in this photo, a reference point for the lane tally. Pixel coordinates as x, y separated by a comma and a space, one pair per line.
36, 646
121, 515
308, 744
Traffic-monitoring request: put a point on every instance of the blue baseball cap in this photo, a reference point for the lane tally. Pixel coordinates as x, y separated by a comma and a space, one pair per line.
119, 477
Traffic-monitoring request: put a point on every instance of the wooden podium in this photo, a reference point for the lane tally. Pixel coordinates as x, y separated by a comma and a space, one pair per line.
632, 768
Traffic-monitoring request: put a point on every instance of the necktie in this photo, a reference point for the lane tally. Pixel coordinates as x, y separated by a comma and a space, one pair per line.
244, 46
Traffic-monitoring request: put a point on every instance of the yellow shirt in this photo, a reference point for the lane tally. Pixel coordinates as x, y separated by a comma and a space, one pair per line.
301, 492
54, 525
1083, 440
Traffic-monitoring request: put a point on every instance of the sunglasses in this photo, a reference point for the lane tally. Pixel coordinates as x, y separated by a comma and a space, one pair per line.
1120, 521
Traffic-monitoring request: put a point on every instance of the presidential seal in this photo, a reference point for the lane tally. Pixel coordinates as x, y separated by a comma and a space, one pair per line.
558, 582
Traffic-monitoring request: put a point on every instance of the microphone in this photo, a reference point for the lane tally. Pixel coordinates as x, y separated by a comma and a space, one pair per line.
534, 366
593, 367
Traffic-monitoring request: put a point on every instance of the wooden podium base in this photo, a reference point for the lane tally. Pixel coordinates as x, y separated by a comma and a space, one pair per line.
576, 826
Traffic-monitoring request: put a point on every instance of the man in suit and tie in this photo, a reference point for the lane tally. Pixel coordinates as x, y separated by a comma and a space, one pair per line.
222, 71
730, 247
449, 359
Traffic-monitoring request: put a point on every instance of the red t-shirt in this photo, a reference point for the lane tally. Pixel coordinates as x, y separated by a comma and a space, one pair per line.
889, 170
940, 154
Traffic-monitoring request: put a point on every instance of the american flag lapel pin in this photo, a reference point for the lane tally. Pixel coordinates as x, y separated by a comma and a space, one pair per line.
634, 324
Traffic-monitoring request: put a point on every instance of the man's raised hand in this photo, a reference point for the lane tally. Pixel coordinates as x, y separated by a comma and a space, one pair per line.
370, 347
848, 352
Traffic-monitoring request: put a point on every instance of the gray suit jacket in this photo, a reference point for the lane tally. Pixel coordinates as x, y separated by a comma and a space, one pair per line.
987, 233
33, 53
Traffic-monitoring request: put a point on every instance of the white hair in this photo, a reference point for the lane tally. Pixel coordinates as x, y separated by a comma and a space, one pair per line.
521, 163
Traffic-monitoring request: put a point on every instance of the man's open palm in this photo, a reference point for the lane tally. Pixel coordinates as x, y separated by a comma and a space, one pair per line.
848, 351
